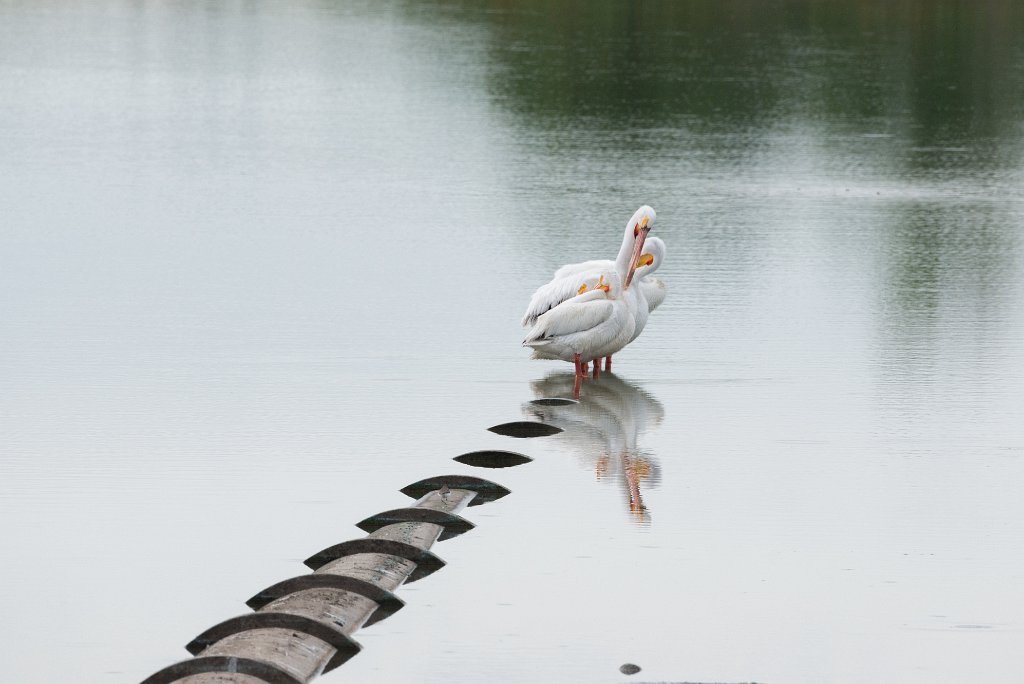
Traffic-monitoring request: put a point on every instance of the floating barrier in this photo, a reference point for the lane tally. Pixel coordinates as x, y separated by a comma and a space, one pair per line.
486, 491
387, 603
302, 626
493, 459
525, 428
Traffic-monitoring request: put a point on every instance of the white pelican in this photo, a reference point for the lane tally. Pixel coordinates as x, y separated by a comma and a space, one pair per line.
596, 322
599, 319
566, 279
647, 292
631, 255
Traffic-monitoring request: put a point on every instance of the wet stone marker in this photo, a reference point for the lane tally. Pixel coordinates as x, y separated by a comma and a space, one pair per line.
525, 428
493, 459
453, 525
553, 401
486, 491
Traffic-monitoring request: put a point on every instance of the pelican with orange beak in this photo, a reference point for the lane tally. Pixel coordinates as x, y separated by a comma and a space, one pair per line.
596, 320
565, 285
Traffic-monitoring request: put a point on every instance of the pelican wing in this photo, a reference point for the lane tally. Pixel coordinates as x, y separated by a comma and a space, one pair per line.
654, 292
584, 267
549, 296
569, 318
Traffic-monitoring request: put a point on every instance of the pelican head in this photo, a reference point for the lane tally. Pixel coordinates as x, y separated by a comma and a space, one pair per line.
652, 257
606, 281
642, 218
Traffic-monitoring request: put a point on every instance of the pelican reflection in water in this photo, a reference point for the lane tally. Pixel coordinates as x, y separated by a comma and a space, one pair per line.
604, 429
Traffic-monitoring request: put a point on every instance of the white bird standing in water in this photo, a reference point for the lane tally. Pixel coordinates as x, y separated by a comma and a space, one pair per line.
564, 286
584, 317
594, 323
566, 279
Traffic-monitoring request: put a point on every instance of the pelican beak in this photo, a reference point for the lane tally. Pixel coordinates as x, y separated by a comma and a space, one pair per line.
583, 288
641, 231
642, 225
601, 285
645, 260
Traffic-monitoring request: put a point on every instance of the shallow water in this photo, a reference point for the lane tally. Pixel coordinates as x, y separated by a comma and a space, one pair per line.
263, 265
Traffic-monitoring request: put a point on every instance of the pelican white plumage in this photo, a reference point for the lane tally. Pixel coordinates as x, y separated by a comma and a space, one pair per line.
643, 298
595, 323
599, 319
565, 282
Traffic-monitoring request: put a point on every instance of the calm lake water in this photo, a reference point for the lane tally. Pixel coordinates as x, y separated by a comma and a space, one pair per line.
262, 265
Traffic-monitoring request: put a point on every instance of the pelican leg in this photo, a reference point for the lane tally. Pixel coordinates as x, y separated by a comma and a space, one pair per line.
578, 381
608, 363
585, 367
597, 368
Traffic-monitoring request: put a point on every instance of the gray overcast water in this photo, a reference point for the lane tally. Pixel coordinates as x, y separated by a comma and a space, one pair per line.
263, 264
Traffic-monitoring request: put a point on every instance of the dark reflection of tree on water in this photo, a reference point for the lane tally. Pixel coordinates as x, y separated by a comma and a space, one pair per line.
604, 430
715, 78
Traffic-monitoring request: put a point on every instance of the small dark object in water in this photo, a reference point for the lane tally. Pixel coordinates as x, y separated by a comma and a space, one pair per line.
493, 459
486, 491
553, 401
525, 428
629, 669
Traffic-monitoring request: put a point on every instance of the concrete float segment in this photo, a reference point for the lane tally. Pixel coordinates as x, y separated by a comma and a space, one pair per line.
302, 626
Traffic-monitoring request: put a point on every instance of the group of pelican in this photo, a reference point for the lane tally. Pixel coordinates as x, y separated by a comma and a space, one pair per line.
592, 309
